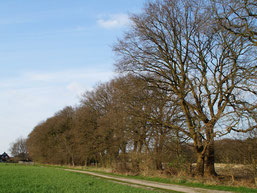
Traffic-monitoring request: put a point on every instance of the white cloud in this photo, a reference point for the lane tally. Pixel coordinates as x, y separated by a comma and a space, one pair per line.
113, 21
68, 75
31, 97
77, 88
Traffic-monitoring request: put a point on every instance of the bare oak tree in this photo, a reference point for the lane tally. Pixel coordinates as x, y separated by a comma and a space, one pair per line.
239, 17
19, 149
205, 68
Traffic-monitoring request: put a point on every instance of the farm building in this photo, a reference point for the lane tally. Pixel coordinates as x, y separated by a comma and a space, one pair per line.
4, 157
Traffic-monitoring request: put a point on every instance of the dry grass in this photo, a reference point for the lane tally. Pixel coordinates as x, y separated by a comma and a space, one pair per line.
237, 174
228, 174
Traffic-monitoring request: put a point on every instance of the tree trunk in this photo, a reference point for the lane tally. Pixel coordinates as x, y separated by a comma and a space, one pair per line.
209, 170
158, 163
135, 164
135, 146
199, 171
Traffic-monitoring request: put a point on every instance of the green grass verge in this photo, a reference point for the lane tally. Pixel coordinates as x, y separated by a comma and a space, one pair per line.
16, 178
182, 182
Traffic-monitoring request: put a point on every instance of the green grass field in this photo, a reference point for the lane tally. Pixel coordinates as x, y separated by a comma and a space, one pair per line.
35, 179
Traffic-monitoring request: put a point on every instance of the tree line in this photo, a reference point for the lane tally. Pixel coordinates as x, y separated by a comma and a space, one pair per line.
114, 127
188, 77
121, 116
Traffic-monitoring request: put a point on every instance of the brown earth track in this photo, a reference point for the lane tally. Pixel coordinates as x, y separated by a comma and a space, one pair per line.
150, 184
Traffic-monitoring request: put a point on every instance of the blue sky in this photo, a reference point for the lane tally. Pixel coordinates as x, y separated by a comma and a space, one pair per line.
52, 51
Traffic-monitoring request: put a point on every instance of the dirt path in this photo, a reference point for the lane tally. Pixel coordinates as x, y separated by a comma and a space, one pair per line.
151, 184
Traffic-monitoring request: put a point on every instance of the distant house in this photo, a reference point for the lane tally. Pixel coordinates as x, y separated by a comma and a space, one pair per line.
4, 157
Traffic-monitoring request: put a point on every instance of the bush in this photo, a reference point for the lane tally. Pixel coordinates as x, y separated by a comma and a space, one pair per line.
178, 166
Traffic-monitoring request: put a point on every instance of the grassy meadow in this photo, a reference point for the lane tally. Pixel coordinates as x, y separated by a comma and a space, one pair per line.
34, 179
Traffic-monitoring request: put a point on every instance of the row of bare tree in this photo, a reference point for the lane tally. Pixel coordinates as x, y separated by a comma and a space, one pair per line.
121, 116
189, 76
